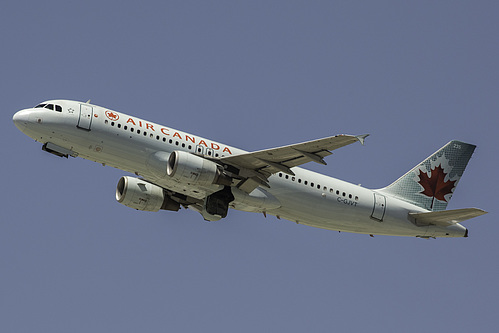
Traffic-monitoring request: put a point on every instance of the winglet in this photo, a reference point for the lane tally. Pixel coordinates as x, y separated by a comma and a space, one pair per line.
362, 138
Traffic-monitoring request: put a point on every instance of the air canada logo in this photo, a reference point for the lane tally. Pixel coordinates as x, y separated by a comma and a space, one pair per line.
435, 186
112, 115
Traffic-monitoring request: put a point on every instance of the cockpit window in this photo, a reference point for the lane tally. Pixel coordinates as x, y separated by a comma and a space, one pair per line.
54, 107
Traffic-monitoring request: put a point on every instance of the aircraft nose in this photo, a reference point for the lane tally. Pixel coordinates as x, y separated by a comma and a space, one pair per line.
21, 119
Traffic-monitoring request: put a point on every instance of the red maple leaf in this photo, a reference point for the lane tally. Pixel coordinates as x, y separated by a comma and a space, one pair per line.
112, 115
435, 185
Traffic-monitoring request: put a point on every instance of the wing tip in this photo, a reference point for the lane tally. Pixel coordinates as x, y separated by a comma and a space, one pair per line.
362, 138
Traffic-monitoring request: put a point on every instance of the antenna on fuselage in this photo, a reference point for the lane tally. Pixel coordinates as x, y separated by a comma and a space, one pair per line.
88, 102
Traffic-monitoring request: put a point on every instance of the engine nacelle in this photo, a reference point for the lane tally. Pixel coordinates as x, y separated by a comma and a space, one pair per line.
139, 194
191, 169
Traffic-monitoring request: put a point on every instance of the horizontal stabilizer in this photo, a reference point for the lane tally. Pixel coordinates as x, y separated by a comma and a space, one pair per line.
445, 218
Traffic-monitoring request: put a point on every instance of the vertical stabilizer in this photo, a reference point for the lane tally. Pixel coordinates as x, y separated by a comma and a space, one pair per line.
431, 183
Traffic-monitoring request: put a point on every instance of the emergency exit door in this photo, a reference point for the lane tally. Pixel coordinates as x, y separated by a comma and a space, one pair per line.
379, 207
85, 119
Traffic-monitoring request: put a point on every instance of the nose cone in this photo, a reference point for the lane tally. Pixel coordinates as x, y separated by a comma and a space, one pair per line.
21, 119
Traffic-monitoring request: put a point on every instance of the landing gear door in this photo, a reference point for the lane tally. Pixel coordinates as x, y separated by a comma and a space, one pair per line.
379, 207
85, 119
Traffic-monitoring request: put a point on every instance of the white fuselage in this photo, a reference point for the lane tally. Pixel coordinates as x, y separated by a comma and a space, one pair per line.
125, 142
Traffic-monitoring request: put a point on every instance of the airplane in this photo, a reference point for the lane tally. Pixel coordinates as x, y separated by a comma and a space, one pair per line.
174, 169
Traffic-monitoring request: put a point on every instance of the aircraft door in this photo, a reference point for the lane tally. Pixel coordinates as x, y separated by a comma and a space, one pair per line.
379, 207
85, 119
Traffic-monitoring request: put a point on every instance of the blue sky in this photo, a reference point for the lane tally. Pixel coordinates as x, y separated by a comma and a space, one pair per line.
255, 75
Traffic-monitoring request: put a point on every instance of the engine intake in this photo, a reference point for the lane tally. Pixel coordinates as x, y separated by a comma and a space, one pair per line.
141, 195
191, 169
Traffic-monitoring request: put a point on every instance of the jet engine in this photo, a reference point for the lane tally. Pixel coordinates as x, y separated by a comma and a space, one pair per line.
141, 195
191, 169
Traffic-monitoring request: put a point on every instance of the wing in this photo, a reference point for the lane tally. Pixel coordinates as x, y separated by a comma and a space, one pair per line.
254, 168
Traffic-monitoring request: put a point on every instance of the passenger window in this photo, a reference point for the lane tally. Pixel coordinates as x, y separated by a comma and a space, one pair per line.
312, 184
138, 131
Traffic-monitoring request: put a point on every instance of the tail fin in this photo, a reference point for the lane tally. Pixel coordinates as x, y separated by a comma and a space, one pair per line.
431, 183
